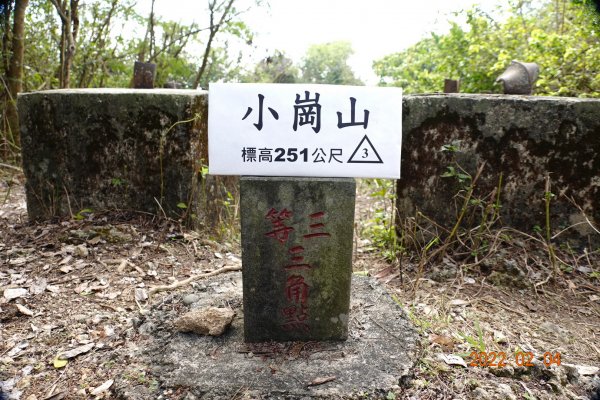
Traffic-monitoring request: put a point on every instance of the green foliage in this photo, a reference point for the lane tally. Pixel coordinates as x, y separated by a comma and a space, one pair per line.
103, 57
142, 378
228, 224
172, 62
560, 35
41, 59
106, 48
221, 67
323, 63
276, 68
478, 342
381, 229
203, 171
116, 182
452, 172
383, 235
328, 63
528, 396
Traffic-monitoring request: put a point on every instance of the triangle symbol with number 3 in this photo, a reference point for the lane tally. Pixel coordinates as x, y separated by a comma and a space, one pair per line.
365, 153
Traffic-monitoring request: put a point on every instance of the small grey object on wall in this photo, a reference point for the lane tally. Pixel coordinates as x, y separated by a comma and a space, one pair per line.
519, 77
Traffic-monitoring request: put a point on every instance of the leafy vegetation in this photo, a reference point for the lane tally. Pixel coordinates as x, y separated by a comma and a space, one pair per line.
328, 63
381, 228
276, 68
49, 44
562, 36
323, 63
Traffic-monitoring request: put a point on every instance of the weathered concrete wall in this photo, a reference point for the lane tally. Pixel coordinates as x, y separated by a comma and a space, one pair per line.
524, 138
122, 149
114, 149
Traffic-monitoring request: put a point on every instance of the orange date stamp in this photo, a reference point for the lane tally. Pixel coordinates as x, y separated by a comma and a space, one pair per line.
499, 359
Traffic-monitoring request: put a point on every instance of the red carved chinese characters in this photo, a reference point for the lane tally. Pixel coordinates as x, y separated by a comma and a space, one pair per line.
316, 227
280, 231
297, 259
297, 290
295, 317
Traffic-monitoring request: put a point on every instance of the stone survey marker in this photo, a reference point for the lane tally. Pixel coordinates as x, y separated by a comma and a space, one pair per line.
306, 142
297, 257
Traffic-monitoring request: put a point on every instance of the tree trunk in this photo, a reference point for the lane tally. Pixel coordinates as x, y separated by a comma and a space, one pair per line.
202, 68
69, 16
74, 17
148, 36
6, 33
15, 71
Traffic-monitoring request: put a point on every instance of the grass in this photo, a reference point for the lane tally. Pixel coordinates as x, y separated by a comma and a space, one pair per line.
476, 235
475, 342
475, 240
381, 228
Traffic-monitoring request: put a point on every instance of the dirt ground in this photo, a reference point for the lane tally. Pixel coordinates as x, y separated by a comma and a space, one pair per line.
77, 288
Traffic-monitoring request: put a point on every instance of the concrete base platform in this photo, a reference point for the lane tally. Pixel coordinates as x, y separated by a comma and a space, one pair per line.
381, 348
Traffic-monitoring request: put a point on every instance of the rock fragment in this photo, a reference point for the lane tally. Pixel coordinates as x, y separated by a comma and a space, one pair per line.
189, 299
14, 293
205, 321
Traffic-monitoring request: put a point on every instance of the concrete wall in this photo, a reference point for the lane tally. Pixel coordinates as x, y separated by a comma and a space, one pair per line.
115, 149
122, 149
524, 138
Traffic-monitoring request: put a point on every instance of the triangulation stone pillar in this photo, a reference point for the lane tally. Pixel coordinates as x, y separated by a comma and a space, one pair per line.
297, 257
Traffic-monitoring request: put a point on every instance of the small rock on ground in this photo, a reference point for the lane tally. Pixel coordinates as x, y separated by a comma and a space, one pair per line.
205, 321
189, 299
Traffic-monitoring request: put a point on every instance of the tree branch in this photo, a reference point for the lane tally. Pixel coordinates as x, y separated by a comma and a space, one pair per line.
183, 37
59, 10
175, 285
213, 31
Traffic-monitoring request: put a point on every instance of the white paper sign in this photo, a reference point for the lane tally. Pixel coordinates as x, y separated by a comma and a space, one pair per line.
304, 130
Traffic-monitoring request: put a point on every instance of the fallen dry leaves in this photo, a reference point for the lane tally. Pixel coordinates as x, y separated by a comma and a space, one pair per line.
68, 294
71, 290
